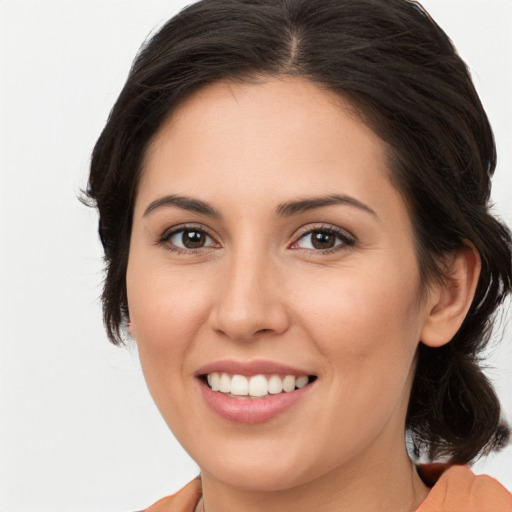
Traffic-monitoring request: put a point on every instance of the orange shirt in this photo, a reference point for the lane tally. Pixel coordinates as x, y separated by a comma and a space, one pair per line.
457, 490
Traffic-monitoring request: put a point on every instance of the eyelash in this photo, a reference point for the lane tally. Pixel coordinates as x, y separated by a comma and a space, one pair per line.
167, 235
346, 239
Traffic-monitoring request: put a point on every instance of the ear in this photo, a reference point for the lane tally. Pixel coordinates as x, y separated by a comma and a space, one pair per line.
450, 300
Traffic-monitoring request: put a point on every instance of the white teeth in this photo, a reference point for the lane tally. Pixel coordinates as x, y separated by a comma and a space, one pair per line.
255, 386
258, 386
240, 385
289, 383
300, 382
225, 383
275, 385
214, 381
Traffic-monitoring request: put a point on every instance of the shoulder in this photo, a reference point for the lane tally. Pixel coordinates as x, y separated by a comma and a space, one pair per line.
184, 500
459, 490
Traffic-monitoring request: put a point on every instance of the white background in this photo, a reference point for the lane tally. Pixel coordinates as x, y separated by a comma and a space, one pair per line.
78, 430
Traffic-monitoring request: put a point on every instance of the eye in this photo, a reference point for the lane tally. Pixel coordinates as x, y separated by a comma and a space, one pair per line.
323, 239
187, 239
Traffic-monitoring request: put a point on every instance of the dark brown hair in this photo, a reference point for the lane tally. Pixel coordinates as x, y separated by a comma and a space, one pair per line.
401, 71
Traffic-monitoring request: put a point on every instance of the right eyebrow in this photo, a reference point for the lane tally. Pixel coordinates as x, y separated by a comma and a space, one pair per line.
185, 203
311, 203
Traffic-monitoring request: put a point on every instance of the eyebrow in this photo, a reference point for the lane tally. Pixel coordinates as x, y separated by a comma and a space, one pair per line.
311, 203
185, 203
283, 210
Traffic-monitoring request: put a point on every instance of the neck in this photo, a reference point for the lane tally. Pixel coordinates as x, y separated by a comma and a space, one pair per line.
389, 483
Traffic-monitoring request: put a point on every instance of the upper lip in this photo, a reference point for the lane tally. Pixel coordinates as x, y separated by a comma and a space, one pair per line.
249, 368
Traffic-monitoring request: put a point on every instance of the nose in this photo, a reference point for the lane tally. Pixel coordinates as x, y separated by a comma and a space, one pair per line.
249, 300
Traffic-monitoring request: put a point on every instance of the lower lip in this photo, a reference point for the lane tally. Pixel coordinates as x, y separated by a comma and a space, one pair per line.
252, 411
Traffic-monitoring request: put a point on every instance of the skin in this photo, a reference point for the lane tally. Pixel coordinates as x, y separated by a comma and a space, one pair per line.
353, 316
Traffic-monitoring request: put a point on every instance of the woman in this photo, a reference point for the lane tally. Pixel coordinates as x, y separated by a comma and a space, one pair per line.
294, 208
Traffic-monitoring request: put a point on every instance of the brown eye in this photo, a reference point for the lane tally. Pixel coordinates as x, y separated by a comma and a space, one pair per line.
324, 240
189, 239
192, 239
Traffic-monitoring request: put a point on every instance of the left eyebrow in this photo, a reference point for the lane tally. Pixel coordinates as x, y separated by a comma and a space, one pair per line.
310, 203
185, 203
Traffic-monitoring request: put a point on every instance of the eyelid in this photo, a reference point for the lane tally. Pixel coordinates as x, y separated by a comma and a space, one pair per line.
348, 239
165, 237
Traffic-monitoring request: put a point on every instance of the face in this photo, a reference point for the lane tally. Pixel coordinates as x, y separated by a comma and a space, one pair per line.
269, 249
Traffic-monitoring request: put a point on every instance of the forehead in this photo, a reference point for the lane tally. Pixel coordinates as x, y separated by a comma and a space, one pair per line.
291, 101
258, 137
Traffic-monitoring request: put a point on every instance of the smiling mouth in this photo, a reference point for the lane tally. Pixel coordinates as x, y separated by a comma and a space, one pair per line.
255, 386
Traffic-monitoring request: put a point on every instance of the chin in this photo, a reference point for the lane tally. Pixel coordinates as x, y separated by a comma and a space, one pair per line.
272, 471
260, 479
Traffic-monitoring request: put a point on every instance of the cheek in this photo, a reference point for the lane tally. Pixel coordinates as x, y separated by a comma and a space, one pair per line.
368, 327
167, 310
368, 332
365, 309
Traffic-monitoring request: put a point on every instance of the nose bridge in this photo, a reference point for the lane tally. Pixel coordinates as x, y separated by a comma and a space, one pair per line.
248, 301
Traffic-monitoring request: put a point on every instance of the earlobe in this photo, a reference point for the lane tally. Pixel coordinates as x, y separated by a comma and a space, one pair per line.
451, 299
